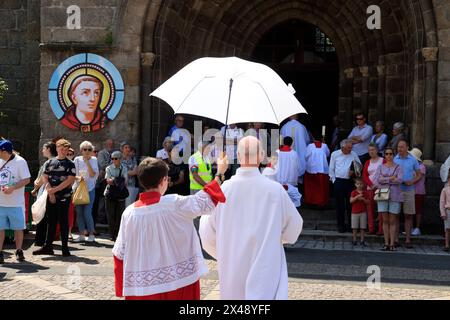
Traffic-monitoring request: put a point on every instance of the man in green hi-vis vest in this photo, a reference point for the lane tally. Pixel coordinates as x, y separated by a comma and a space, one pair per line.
200, 171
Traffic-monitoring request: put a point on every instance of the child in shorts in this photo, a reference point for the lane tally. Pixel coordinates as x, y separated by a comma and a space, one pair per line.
359, 200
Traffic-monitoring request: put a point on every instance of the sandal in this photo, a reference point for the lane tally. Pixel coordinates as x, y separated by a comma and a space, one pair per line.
385, 248
393, 248
408, 245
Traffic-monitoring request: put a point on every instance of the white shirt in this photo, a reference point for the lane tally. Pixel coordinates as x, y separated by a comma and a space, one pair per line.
183, 135
162, 154
194, 163
81, 170
317, 159
246, 235
292, 191
287, 167
15, 171
159, 245
299, 134
340, 164
365, 133
295, 195
444, 170
235, 134
270, 173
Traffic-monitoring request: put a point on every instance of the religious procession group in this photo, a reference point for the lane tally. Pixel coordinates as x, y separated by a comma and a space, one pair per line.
244, 222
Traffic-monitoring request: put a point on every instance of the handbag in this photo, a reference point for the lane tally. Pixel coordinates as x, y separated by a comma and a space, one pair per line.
39, 207
118, 190
81, 195
382, 194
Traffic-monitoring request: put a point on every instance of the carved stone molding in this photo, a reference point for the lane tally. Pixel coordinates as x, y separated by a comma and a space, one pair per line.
148, 58
349, 73
381, 70
430, 54
364, 71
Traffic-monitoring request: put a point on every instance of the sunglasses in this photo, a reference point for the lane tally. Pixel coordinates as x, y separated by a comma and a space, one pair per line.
70, 154
115, 158
90, 150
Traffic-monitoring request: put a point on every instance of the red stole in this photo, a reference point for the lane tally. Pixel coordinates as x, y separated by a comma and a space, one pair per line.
318, 144
285, 149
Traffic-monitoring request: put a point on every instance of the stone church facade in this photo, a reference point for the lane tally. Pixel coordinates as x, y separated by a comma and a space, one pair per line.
400, 72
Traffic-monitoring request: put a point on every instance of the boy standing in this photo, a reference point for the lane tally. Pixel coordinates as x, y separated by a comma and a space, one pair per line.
359, 200
157, 255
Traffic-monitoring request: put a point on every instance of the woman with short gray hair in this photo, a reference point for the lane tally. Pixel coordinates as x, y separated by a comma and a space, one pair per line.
398, 135
86, 168
167, 145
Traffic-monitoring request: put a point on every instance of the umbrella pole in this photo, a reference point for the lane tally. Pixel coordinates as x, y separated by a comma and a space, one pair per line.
228, 110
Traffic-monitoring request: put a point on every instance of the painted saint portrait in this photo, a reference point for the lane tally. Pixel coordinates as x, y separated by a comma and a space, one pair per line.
85, 92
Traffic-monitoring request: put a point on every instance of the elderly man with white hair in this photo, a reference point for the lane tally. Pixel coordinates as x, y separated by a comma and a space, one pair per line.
246, 234
341, 173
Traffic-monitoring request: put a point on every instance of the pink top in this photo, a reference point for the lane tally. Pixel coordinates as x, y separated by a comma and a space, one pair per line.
420, 185
372, 169
445, 200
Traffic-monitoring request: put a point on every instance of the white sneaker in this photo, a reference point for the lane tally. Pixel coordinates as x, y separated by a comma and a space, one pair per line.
80, 239
91, 238
416, 232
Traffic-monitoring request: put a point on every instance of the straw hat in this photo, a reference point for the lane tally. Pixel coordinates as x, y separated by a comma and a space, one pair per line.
416, 153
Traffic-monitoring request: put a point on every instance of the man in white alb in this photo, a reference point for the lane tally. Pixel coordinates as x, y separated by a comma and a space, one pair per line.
288, 163
246, 235
299, 134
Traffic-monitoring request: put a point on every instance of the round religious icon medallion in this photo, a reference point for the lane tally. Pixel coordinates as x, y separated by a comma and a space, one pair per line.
85, 92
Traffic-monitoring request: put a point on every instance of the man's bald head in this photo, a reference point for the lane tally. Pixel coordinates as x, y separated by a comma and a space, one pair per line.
250, 152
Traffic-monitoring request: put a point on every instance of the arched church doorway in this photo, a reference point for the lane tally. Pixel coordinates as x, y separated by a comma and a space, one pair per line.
304, 56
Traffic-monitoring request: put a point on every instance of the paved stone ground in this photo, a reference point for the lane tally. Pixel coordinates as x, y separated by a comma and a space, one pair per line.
331, 271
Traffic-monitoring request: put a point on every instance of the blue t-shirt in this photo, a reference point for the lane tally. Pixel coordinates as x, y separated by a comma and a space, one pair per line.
409, 166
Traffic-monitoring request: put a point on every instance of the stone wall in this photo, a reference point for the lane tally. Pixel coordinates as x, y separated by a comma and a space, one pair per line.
98, 34
442, 11
382, 72
19, 66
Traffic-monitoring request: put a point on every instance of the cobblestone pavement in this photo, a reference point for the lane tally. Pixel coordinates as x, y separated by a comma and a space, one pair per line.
319, 272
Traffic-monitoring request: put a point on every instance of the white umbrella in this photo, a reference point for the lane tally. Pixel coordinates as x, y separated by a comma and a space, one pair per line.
230, 90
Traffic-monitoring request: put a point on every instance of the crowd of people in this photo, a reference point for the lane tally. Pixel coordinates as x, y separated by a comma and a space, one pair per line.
375, 176
150, 205
60, 176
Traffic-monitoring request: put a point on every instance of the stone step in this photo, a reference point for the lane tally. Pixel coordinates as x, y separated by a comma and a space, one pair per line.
327, 235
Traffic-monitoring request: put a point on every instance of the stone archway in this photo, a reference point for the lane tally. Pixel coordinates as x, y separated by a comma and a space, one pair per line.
382, 71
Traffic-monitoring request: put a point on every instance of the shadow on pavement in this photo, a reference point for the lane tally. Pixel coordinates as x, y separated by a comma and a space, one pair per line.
352, 266
21, 267
97, 245
72, 259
